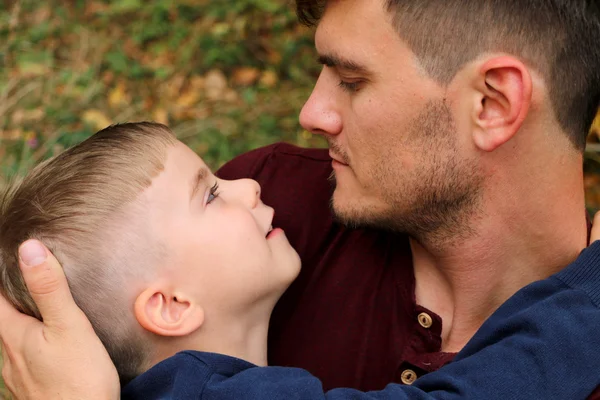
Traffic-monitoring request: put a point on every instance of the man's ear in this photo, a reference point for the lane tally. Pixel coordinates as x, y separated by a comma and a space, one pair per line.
167, 314
504, 90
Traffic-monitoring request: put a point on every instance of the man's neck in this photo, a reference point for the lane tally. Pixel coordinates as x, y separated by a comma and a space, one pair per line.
516, 240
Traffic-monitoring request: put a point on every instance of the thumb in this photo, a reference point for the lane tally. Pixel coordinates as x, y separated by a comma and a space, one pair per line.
47, 284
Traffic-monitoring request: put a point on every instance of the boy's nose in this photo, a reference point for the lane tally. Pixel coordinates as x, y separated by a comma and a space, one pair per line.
249, 192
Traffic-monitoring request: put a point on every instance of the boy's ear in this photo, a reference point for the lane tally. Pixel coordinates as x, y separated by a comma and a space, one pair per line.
167, 314
504, 89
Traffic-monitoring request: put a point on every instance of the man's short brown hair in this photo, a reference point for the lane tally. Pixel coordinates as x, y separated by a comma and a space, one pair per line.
80, 204
559, 38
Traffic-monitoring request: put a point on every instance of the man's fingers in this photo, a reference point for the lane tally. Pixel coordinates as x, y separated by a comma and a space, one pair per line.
595, 234
12, 326
46, 282
8, 314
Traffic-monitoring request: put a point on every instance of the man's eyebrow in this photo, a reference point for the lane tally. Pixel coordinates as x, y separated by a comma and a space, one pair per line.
198, 180
332, 60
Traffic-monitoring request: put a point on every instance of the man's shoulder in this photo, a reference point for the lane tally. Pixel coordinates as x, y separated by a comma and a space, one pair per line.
275, 157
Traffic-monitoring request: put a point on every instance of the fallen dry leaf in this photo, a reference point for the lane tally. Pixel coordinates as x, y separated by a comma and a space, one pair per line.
161, 115
245, 76
117, 96
31, 70
269, 79
174, 86
11, 134
274, 57
230, 96
215, 79
197, 82
21, 116
96, 118
215, 84
188, 98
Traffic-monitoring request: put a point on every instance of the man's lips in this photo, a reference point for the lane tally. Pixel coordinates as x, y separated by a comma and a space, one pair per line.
337, 159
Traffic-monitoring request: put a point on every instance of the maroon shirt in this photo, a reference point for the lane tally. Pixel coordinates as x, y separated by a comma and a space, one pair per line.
350, 318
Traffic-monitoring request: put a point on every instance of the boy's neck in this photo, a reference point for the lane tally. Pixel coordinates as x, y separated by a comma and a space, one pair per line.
243, 337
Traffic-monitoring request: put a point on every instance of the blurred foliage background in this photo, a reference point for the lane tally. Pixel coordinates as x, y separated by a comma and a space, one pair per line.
226, 76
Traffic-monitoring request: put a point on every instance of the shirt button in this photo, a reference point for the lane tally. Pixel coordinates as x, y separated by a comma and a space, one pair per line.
408, 376
425, 320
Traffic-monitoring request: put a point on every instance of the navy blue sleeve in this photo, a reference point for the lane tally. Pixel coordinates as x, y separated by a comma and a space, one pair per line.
541, 344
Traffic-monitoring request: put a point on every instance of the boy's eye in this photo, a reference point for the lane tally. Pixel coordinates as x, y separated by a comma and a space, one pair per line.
213, 193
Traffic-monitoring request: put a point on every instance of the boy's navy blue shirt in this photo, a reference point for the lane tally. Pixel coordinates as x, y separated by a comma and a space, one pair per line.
543, 343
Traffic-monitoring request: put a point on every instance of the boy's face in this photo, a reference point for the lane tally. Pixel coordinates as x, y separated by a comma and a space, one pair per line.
219, 249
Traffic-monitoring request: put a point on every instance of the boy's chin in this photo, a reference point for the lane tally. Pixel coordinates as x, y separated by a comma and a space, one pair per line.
292, 272
293, 266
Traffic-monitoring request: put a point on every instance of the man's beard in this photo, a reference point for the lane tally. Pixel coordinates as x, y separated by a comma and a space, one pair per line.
439, 202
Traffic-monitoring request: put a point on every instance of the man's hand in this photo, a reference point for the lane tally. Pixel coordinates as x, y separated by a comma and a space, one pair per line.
61, 358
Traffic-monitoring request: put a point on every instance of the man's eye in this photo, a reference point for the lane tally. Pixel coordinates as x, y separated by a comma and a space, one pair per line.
349, 86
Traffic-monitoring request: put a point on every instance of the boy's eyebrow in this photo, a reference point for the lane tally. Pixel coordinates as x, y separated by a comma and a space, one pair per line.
333, 60
198, 180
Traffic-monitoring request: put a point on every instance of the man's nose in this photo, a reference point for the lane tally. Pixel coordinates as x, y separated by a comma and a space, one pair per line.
320, 114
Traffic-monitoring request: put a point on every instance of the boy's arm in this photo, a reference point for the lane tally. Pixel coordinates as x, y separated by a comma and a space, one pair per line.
541, 344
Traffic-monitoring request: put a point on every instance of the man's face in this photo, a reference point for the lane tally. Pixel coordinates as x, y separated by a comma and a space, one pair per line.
398, 161
219, 240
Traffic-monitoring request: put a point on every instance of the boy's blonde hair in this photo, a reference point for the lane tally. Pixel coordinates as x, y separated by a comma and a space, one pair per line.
81, 204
